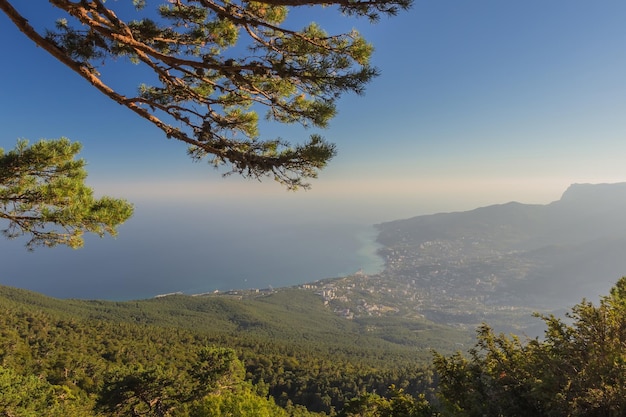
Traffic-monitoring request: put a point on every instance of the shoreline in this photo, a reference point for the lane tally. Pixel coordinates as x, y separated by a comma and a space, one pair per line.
366, 254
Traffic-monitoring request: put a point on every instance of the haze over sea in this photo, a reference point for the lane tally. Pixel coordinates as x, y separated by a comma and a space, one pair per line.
200, 238
168, 248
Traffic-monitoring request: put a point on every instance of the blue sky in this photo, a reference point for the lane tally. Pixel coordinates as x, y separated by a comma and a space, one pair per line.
479, 102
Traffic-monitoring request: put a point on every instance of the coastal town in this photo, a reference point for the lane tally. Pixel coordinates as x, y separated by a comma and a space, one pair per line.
456, 282
499, 264
447, 288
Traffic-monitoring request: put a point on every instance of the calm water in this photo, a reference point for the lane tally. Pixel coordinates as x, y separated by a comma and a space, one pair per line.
169, 251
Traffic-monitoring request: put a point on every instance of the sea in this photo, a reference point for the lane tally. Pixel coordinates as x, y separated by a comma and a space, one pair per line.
169, 251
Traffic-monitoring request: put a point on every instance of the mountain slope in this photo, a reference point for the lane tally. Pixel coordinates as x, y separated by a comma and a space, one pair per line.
290, 342
538, 256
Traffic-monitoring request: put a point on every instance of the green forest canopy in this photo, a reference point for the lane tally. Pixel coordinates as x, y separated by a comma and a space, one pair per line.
55, 360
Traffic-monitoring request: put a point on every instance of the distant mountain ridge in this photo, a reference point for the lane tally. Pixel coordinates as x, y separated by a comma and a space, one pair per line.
582, 205
593, 193
571, 248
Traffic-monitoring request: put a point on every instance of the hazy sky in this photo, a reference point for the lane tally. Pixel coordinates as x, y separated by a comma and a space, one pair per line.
479, 102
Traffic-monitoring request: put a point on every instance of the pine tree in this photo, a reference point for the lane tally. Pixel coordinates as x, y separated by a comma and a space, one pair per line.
43, 195
211, 65
577, 369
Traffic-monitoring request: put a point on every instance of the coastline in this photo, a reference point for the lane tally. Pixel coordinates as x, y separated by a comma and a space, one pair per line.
174, 259
364, 258
369, 246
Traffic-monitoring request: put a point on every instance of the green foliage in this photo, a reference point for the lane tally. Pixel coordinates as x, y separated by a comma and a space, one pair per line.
43, 195
396, 404
29, 396
211, 387
239, 401
137, 358
214, 65
579, 369
284, 346
138, 391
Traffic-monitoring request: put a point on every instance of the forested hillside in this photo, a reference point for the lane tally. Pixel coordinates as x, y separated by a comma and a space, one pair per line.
93, 358
74, 354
